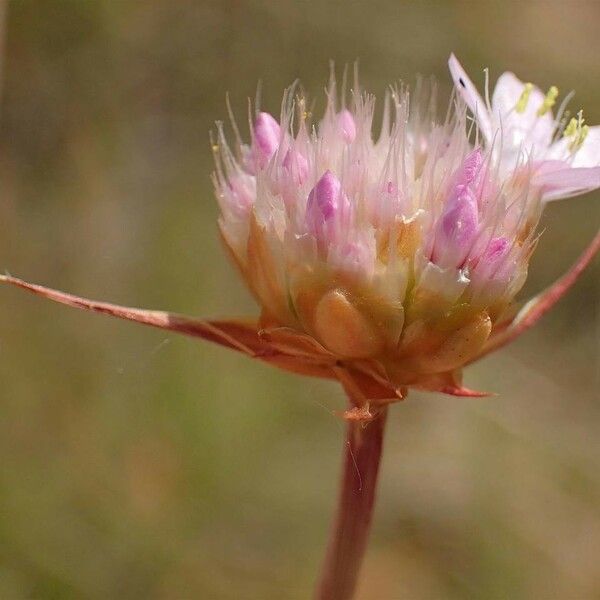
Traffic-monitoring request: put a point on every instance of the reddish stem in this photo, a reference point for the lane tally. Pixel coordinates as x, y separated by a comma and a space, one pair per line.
350, 531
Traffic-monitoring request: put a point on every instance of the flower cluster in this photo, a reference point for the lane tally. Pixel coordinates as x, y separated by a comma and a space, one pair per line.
404, 247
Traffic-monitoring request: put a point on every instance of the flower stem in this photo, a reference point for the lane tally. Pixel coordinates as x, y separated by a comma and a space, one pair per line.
350, 531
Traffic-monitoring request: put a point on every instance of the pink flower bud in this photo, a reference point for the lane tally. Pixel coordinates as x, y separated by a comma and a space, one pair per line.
326, 209
457, 229
496, 250
474, 174
265, 140
323, 198
238, 194
296, 165
470, 168
347, 125
458, 226
491, 263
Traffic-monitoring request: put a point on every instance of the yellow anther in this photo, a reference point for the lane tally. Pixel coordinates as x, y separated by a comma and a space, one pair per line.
576, 130
521, 104
579, 138
571, 128
215, 147
549, 101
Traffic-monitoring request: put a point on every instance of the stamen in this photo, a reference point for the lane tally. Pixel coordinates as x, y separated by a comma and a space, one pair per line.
577, 130
523, 100
571, 128
549, 101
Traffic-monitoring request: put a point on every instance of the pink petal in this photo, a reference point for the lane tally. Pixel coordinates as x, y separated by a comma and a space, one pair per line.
558, 180
491, 263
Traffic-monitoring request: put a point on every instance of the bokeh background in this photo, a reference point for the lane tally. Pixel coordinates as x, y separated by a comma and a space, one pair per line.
139, 465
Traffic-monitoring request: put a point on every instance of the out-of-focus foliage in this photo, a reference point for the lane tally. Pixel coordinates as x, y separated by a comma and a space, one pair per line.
134, 465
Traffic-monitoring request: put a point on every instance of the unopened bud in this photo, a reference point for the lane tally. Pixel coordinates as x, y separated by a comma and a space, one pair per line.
266, 138
347, 125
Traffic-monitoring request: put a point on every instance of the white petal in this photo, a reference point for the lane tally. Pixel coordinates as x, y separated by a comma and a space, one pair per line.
587, 156
521, 130
507, 92
471, 96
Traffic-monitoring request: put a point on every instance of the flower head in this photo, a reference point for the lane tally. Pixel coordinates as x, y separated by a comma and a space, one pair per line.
404, 248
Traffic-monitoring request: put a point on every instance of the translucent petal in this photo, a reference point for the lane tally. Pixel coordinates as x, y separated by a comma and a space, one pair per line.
471, 96
587, 156
558, 180
525, 131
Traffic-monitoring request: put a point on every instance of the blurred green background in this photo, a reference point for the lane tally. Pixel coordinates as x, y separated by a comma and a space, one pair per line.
139, 465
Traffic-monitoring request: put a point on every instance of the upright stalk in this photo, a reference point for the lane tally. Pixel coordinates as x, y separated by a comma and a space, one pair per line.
350, 531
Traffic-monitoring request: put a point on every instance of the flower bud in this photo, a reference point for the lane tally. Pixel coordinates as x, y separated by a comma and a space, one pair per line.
457, 229
326, 208
296, 165
495, 252
491, 261
458, 226
347, 125
470, 168
265, 140
237, 195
